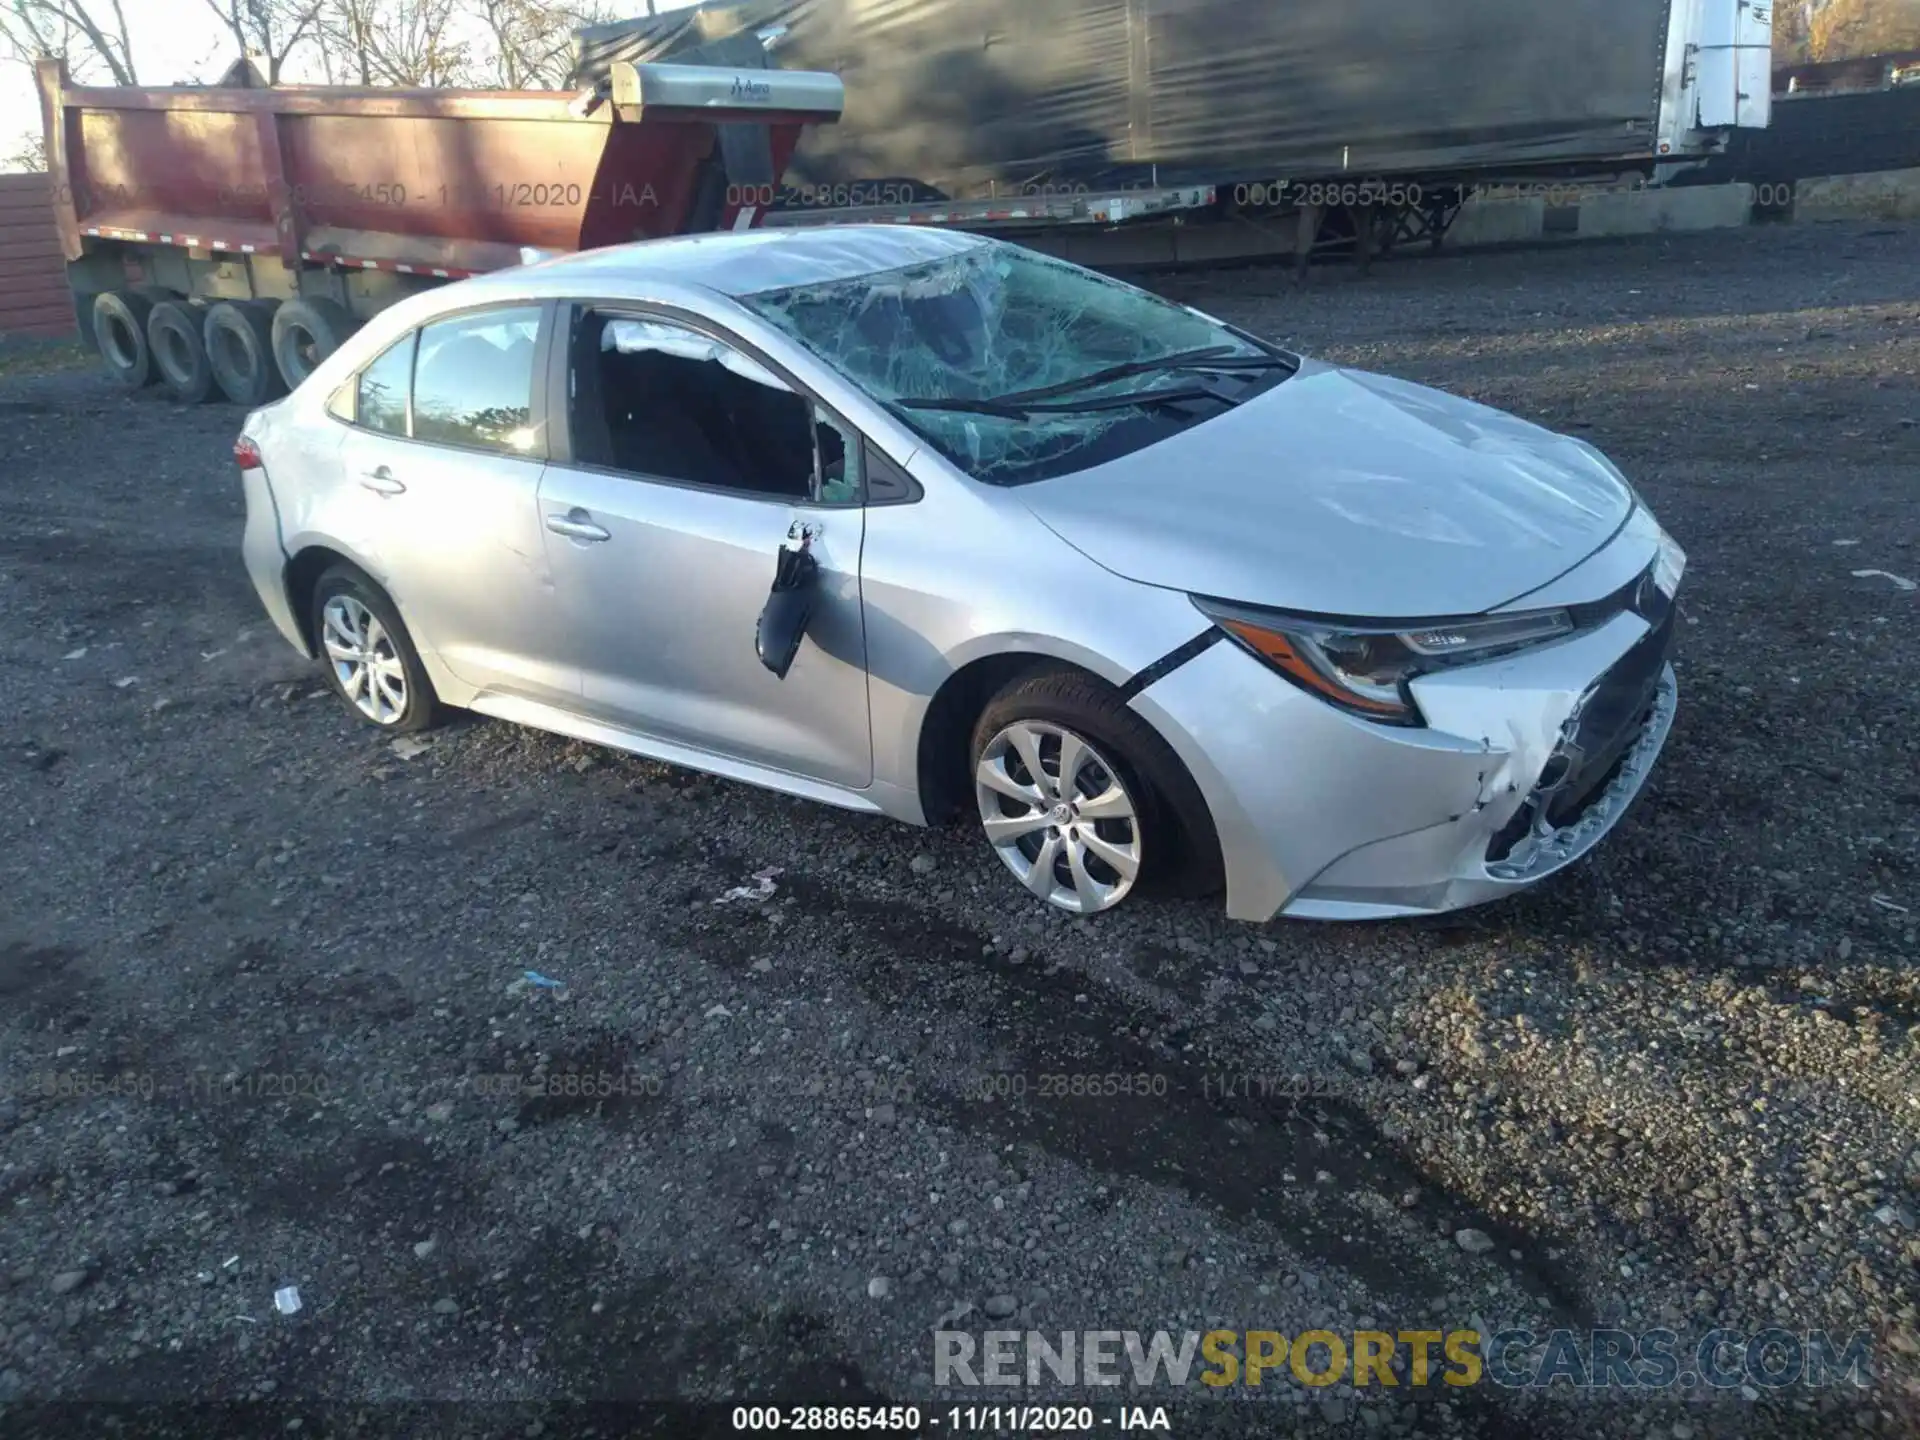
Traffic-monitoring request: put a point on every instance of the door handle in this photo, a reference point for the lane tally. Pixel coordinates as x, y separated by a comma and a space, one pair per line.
577, 525
380, 480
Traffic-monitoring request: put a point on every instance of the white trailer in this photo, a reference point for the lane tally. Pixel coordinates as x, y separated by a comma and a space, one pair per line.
1719, 75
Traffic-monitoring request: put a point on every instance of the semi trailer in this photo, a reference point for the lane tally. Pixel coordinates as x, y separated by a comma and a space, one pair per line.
1029, 115
223, 240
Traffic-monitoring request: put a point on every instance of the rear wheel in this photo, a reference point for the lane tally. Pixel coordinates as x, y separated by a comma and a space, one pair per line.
1082, 801
120, 331
305, 333
371, 661
238, 335
180, 352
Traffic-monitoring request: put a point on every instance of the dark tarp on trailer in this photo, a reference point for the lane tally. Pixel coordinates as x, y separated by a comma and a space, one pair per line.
973, 97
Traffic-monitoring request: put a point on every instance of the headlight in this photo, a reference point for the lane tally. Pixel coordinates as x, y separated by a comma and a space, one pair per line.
1365, 671
1671, 561
1669, 565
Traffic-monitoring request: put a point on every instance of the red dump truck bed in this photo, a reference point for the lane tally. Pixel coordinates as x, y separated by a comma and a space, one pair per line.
312, 207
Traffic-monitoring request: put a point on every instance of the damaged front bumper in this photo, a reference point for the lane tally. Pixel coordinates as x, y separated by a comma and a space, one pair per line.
1470, 860
1524, 766
1544, 846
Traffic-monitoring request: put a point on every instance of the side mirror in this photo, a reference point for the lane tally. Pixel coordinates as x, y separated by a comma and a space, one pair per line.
789, 607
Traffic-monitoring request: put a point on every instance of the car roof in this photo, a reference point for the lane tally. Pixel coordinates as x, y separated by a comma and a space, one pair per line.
744, 262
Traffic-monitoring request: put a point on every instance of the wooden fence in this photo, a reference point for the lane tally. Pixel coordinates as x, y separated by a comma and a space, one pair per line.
34, 299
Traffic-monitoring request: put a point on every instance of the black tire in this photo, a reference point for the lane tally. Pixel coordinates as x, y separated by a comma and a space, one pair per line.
180, 352
120, 332
306, 332
1179, 853
238, 337
423, 709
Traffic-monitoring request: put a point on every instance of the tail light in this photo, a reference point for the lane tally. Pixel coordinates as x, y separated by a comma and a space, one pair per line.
246, 454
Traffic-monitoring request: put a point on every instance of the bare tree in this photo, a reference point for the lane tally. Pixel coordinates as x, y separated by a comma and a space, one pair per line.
29, 153
269, 29
90, 35
531, 40
513, 44
393, 42
346, 49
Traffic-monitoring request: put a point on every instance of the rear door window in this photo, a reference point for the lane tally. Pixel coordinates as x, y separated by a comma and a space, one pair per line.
473, 381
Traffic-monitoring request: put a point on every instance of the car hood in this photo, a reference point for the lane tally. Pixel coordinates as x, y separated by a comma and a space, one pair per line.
1340, 492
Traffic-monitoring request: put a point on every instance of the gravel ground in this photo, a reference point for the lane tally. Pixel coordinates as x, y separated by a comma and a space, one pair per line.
1674, 1087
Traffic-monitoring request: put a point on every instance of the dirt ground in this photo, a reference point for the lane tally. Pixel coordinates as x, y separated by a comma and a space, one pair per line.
263, 1020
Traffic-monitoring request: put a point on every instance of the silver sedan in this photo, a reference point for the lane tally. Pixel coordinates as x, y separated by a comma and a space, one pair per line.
929, 525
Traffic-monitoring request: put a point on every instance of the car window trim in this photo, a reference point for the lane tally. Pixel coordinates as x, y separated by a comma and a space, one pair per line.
559, 405
537, 415
352, 385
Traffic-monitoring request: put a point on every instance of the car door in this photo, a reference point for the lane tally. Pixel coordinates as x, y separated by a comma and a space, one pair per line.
443, 459
683, 467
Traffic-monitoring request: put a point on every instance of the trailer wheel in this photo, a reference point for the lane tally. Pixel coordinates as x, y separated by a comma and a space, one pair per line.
180, 352
120, 330
238, 336
306, 332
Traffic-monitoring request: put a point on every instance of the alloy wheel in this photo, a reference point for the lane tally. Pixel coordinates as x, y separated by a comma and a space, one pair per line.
1059, 816
364, 660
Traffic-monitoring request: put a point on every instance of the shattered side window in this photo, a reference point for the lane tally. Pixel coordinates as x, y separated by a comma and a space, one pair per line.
837, 456
994, 322
659, 400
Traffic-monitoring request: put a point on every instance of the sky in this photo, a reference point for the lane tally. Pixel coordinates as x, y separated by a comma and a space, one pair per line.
173, 41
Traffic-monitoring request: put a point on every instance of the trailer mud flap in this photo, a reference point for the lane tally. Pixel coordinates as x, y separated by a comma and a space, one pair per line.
746, 150
738, 176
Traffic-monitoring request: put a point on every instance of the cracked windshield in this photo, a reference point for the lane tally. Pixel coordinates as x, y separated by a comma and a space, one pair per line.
1018, 367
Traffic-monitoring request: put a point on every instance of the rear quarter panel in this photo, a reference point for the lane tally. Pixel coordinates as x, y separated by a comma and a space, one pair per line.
305, 493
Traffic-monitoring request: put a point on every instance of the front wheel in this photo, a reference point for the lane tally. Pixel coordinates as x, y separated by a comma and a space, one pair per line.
1082, 800
371, 661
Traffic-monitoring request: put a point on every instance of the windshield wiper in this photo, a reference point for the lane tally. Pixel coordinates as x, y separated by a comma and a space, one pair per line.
1209, 357
1011, 407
